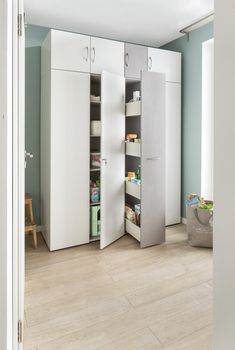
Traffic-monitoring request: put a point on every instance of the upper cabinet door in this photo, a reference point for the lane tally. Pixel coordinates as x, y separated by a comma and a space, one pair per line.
153, 159
167, 62
113, 157
136, 59
70, 51
107, 55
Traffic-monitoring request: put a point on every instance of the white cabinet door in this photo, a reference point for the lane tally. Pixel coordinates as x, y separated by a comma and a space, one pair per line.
173, 153
70, 51
70, 115
113, 157
164, 61
153, 159
107, 55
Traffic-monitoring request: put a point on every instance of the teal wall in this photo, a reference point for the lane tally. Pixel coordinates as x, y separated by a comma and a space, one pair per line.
191, 107
33, 38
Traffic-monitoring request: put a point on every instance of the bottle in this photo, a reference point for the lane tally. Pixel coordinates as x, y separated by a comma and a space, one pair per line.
138, 173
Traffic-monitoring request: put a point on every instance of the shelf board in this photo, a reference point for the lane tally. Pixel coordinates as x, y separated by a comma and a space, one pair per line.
95, 103
94, 239
94, 135
93, 204
94, 169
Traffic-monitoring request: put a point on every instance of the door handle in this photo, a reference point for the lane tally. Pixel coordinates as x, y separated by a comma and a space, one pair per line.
104, 161
127, 58
150, 63
153, 158
93, 57
87, 53
27, 155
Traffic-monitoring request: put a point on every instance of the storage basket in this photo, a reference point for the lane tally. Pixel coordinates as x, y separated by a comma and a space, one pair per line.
95, 221
200, 226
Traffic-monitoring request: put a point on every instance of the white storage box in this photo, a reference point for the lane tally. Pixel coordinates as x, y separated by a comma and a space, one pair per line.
133, 108
95, 127
133, 149
132, 229
133, 189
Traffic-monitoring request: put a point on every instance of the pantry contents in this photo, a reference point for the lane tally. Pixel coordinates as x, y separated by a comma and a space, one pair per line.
133, 213
95, 220
135, 177
132, 138
95, 191
95, 159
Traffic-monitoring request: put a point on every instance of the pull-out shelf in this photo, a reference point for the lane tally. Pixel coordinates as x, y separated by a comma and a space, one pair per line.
133, 189
133, 149
132, 229
133, 109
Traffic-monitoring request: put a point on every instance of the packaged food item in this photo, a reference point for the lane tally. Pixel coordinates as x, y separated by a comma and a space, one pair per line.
131, 137
131, 175
94, 192
95, 159
130, 214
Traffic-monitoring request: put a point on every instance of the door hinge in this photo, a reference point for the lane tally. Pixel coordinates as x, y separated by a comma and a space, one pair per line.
20, 19
20, 331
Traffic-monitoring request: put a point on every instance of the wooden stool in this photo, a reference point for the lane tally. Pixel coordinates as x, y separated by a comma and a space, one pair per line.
30, 225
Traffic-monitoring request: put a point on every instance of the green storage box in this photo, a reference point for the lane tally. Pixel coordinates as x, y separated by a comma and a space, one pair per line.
95, 220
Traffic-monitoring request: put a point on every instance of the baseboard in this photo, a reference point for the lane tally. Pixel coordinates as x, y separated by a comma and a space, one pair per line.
184, 221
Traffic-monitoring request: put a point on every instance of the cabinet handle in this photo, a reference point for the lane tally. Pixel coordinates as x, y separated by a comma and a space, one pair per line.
153, 158
93, 58
87, 53
104, 161
127, 58
150, 63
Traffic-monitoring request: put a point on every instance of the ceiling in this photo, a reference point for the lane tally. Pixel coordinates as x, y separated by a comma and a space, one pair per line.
148, 22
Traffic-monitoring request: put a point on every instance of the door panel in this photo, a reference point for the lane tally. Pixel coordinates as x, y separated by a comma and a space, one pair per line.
107, 55
69, 158
167, 62
136, 57
173, 153
113, 155
153, 159
70, 51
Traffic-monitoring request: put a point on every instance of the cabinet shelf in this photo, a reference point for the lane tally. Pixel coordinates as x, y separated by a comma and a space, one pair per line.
133, 149
93, 204
133, 189
94, 135
132, 229
94, 169
95, 103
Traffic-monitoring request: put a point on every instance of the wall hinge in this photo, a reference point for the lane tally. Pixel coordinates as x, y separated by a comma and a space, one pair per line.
20, 19
20, 331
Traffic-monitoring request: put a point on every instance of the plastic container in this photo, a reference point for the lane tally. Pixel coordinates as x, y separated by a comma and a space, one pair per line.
95, 128
95, 221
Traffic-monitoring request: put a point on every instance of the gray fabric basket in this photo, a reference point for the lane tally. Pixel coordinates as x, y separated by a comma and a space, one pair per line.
200, 226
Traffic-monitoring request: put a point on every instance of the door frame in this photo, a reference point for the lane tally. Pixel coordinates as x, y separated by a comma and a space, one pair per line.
12, 173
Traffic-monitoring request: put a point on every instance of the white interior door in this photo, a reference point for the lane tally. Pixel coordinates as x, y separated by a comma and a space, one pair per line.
113, 157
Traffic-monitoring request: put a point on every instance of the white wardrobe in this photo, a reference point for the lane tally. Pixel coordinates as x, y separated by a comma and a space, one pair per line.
72, 65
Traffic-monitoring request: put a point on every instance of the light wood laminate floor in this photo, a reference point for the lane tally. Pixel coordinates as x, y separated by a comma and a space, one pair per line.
119, 298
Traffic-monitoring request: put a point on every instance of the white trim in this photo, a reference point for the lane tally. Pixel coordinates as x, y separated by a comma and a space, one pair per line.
184, 221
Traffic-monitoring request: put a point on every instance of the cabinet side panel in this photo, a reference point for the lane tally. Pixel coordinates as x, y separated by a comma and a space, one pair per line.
173, 153
46, 55
70, 112
45, 155
153, 159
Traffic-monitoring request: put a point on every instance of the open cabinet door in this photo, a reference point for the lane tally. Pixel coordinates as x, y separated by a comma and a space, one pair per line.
113, 157
153, 159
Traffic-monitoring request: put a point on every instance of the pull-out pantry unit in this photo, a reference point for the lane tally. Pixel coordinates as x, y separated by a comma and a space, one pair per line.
86, 112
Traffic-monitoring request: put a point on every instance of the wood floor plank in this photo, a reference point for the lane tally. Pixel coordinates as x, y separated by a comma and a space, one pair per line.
122, 297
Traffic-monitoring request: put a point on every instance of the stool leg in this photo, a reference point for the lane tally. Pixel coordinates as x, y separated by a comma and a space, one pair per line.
35, 240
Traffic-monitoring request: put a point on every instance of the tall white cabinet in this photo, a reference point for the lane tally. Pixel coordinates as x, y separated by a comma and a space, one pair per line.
74, 67
169, 62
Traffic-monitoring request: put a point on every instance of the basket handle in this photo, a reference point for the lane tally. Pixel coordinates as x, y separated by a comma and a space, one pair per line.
197, 217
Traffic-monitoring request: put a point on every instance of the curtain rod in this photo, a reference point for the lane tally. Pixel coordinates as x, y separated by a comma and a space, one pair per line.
209, 17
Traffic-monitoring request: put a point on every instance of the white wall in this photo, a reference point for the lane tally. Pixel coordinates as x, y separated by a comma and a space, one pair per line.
224, 177
207, 135
5, 187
